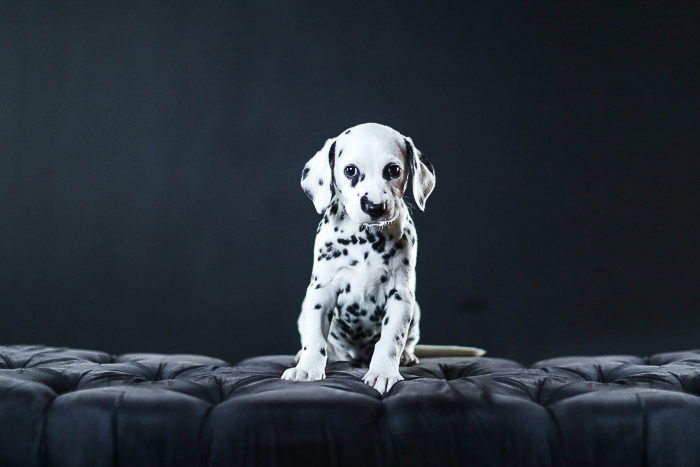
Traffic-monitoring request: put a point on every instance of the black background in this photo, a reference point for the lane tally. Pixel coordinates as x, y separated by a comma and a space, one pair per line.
150, 155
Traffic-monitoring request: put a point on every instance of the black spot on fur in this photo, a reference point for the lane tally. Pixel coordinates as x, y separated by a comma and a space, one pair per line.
378, 314
379, 243
405, 261
388, 256
384, 278
320, 182
305, 172
304, 347
323, 352
331, 156
331, 162
347, 132
386, 321
411, 159
427, 163
317, 306
347, 288
344, 326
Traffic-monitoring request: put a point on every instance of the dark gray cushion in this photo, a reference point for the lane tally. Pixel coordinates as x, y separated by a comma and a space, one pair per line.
79, 407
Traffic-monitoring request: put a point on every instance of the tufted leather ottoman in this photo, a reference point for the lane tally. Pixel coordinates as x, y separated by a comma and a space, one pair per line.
81, 407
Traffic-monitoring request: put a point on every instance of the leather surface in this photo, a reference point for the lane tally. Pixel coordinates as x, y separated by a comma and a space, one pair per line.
65, 407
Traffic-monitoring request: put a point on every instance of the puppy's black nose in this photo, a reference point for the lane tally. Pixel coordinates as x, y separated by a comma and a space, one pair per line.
374, 210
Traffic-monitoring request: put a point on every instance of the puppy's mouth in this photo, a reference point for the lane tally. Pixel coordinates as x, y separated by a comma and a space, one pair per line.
381, 221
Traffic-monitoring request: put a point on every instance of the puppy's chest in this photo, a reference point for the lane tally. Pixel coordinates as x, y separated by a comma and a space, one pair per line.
361, 289
362, 285
359, 313
347, 250
362, 294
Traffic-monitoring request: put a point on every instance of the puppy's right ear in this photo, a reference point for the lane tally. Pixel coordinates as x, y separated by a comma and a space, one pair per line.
317, 176
423, 174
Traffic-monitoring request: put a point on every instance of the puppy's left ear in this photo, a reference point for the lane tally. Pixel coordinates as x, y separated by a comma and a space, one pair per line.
422, 173
317, 176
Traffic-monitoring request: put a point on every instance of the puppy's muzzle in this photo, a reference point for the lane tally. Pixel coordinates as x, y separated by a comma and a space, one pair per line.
375, 210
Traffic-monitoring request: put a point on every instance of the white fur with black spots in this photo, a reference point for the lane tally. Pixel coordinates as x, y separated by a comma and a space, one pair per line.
360, 303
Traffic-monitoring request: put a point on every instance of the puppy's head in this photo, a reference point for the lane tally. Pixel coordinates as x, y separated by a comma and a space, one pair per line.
368, 167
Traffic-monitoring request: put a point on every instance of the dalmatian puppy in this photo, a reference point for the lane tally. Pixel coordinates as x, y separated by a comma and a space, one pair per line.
360, 303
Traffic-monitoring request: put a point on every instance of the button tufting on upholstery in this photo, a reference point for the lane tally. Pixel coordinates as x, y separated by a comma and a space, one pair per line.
148, 409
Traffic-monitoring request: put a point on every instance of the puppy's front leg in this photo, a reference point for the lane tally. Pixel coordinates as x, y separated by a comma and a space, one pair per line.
384, 367
313, 354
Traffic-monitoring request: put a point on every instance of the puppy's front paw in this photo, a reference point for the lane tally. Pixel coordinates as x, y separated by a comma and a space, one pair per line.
304, 374
382, 381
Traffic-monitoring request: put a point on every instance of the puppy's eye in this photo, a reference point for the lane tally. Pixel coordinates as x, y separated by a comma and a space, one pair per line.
350, 171
392, 171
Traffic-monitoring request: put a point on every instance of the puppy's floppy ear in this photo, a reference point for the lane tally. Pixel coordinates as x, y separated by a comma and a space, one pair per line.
317, 176
422, 173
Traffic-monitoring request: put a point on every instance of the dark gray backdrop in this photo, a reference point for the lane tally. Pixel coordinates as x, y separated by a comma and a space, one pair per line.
150, 155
